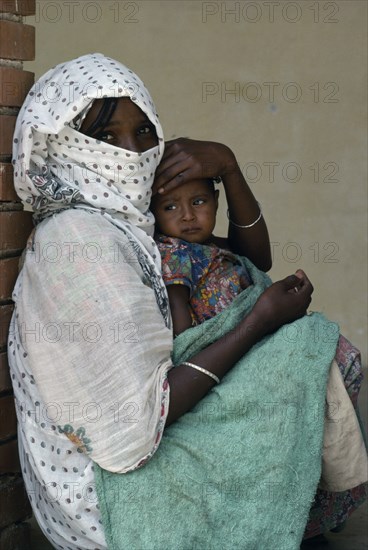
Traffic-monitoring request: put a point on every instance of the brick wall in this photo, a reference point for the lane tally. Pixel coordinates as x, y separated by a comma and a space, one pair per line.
17, 44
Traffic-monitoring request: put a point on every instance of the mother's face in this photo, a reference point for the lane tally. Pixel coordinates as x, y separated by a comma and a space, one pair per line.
127, 128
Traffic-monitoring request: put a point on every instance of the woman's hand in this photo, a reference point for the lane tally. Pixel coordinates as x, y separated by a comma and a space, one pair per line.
283, 302
188, 159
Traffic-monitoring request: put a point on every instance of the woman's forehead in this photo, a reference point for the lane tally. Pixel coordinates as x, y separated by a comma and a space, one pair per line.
125, 109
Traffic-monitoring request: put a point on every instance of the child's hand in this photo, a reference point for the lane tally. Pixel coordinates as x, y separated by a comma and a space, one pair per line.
188, 159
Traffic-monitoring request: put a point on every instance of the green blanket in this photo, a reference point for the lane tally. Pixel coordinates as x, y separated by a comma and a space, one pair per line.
240, 470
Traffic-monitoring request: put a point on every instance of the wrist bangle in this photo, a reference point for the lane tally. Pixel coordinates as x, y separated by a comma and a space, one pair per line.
249, 225
204, 371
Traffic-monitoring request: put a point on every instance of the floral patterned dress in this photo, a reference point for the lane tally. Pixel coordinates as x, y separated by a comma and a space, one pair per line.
214, 276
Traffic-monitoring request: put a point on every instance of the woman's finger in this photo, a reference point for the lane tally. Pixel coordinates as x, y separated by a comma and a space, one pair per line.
290, 282
304, 283
172, 157
300, 274
173, 175
173, 178
167, 172
169, 163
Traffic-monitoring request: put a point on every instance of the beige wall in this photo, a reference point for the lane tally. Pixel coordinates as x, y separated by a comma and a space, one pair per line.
297, 71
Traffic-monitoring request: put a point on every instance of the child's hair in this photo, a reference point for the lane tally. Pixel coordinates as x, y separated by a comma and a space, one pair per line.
211, 183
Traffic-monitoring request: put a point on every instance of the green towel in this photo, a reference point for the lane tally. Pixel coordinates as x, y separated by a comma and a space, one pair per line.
239, 471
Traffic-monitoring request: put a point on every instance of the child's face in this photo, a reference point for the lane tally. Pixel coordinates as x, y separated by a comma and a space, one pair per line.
188, 212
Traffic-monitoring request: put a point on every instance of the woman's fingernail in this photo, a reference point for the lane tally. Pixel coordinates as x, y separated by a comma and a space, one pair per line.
161, 190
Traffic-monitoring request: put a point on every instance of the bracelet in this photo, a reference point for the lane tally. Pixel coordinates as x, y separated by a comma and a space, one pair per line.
251, 224
205, 371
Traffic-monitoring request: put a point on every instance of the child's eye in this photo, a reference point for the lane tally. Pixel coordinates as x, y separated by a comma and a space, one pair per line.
170, 207
198, 202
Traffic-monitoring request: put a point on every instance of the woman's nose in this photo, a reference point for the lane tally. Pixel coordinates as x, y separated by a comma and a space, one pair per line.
130, 143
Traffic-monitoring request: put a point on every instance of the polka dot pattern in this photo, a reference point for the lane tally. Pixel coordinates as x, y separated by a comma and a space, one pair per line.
65, 507
84, 171
57, 167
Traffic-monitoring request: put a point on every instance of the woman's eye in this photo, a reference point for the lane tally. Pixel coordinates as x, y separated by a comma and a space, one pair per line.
146, 129
105, 136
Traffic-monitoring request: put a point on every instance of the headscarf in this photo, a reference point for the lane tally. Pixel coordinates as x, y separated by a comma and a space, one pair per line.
56, 167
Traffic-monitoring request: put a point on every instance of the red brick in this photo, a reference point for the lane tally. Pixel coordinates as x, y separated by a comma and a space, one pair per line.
19, 7
7, 123
9, 458
8, 419
5, 382
9, 269
5, 317
15, 228
14, 86
17, 41
7, 191
14, 503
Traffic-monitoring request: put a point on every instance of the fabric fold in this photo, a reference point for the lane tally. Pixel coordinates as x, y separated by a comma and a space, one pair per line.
344, 459
90, 360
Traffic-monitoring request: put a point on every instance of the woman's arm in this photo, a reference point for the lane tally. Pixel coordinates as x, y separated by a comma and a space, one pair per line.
186, 159
243, 209
278, 305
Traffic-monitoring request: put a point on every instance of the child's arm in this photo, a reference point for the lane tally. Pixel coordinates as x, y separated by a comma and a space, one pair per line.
179, 306
187, 159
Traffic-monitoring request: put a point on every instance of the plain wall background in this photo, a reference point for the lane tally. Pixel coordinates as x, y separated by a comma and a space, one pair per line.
283, 84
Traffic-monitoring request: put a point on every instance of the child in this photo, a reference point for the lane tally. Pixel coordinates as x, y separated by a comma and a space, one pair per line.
200, 271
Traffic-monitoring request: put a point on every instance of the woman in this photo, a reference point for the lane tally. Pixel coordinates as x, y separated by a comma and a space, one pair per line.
91, 339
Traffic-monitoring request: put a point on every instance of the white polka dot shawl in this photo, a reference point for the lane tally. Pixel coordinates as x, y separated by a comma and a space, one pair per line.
56, 167
91, 285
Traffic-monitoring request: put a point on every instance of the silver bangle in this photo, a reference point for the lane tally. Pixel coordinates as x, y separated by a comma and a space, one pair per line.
204, 371
249, 225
